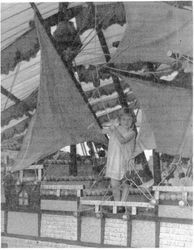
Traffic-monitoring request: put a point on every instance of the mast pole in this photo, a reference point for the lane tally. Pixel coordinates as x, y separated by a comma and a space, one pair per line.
116, 81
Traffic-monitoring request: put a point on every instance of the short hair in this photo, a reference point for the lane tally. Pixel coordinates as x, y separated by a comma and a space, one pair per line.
126, 112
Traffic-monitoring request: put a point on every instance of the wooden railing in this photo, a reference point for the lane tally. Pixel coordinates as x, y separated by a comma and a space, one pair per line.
116, 204
184, 191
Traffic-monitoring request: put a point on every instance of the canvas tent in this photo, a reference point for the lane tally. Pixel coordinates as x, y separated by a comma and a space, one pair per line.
21, 73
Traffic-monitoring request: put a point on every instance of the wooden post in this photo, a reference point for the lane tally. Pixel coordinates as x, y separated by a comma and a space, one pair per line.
156, 167
116, 81
73, 164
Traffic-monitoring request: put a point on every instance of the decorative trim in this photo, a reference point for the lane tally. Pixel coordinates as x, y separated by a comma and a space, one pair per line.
72, 213
116, 203
172, 189
23, 210
175, 220
63, 241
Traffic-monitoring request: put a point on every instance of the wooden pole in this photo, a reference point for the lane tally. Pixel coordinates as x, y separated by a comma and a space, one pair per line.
73, 164
156, 167
116, 81
13, 98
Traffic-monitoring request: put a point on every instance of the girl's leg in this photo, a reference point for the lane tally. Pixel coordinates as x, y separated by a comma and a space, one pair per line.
116, 189
125, 192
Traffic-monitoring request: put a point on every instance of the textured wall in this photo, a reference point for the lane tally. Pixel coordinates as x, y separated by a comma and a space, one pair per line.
59, 226
22, 223
2, 221
175, 235
91, 229
59, 205
175, 212
21, 243
143, 233
115, 232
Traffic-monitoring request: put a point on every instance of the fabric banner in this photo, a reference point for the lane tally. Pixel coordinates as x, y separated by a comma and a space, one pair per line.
145, 139
62, 117
154, 28
169, 113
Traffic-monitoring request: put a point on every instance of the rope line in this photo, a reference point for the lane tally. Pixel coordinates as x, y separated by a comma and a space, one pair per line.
172, 169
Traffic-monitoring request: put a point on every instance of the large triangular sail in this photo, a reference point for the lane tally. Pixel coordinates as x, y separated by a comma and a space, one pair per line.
62, 117
169, 113
153, 29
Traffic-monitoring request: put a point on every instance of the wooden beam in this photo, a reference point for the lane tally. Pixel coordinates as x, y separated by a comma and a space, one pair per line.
116, 81
15, 99
73, 164
156, 167
175, 189
62, 187
116, 203
8, 94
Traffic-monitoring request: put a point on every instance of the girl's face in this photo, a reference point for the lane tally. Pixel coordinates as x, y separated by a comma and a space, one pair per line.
126, 121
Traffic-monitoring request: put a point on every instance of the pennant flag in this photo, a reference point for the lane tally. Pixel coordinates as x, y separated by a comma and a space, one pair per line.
169, 113
153, 29
62, 117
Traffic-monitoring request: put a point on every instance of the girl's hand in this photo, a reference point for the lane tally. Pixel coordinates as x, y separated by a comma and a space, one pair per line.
112, 128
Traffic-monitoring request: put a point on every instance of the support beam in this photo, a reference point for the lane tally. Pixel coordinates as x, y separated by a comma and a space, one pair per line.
9, 95
156, 167
15, 99
73, 164
116, 81
105, 49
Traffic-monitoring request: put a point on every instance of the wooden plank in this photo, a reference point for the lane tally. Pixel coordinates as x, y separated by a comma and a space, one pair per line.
156, 168
33, 167
134, 211
156, 195
28, 179
184, 196
172, 189
96, 208
114, 209
21, 175
73, 164
59, 205
58, 192
39, 174
67, 187
175, 212
116, 203
79, 193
